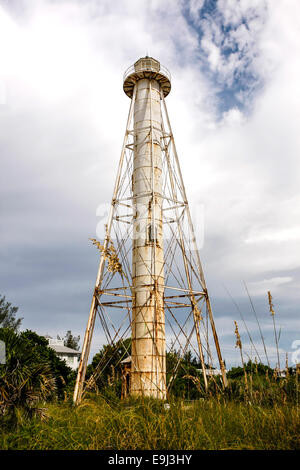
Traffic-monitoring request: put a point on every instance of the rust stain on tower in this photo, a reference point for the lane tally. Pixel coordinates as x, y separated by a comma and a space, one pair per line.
148, 354
162, 272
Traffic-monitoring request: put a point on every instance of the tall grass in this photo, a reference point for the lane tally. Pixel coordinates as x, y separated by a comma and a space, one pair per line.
147, 424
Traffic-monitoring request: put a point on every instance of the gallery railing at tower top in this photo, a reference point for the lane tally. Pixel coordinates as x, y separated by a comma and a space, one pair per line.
148, 68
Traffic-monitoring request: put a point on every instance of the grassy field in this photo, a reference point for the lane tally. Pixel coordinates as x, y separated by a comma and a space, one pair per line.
138, 425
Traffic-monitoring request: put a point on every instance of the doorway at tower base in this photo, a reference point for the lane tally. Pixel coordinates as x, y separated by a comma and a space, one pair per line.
143, 391
126, 371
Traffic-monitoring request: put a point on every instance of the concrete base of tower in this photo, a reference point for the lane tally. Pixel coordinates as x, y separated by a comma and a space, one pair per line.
143, 385
148, 370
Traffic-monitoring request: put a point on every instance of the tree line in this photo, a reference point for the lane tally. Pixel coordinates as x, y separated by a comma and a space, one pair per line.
33, 374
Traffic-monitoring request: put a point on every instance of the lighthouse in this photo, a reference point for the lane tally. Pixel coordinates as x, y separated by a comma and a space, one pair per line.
158, 288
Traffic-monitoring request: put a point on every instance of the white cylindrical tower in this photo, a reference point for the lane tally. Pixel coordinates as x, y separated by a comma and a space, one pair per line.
148, 148
148, 350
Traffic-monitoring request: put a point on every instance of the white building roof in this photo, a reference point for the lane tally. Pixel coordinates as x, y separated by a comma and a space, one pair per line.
212, 372
58, 348
127, 360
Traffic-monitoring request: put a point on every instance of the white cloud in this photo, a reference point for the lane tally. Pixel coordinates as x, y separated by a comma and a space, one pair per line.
261, 287
251, 167
194, 8
231, 42
275, 236
233, 117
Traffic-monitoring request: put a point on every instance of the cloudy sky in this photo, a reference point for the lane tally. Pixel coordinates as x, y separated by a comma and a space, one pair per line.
235, 112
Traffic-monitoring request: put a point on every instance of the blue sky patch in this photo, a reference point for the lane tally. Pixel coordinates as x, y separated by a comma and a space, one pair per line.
228, 50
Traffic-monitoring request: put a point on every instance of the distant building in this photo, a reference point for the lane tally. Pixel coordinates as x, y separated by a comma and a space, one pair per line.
212, 372
71, 356
281, 373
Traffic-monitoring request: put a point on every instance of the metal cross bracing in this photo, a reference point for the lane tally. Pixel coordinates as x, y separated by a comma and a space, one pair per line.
173, 287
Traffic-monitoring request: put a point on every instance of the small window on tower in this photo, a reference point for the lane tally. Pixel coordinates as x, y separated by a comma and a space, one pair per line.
152, 233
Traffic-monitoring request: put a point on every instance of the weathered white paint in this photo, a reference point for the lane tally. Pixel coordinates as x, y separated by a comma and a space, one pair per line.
148, 366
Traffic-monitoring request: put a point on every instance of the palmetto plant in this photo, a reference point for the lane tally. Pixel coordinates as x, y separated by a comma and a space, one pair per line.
25, 381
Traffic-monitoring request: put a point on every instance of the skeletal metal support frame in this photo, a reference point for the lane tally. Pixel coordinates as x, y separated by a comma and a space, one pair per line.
192, 297
209, 309
158, 139
93, 310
